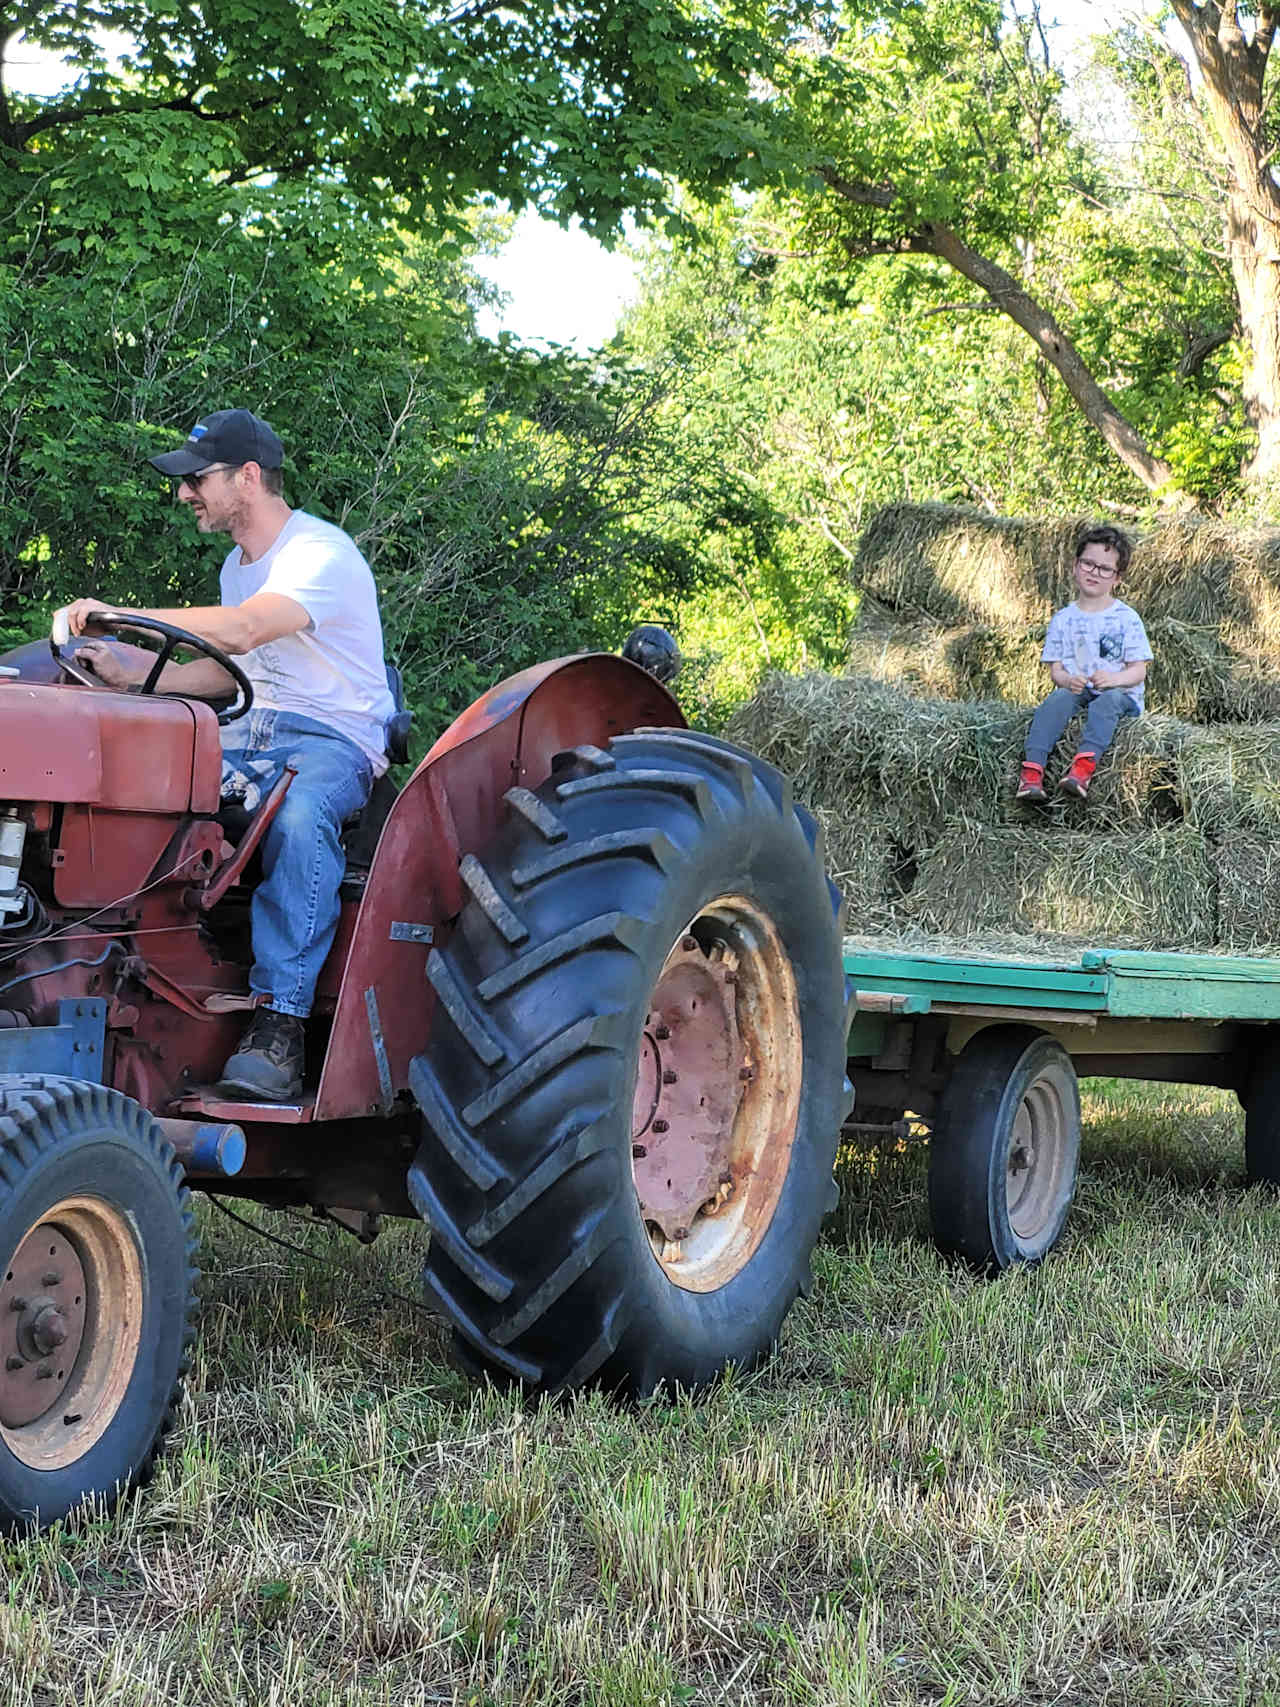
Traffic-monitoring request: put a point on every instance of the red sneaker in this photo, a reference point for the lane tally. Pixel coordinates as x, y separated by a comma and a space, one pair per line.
1031, 782
1077, 779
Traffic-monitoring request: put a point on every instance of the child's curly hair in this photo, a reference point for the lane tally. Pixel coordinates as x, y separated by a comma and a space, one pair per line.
1114, 539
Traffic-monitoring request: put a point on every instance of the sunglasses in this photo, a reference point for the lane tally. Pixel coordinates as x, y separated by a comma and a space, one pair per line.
196, 480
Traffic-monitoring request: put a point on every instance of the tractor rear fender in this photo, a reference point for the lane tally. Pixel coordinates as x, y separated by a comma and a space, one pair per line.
450, 807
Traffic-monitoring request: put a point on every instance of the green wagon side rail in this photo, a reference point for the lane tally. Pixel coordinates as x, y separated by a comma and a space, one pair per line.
1122, 984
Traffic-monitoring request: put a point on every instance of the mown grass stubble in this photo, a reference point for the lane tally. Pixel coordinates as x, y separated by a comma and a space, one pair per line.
1064, 1487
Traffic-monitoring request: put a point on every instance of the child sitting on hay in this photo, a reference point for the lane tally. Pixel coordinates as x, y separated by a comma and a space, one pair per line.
1097, 652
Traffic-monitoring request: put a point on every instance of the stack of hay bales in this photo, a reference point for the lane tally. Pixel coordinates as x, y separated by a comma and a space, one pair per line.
911, 759
957, 603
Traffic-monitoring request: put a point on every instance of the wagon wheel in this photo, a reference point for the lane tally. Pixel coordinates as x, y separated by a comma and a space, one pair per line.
635, 1082
1005, 1149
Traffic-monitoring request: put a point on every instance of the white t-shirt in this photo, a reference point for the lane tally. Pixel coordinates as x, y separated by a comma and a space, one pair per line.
333, 668
1089, 640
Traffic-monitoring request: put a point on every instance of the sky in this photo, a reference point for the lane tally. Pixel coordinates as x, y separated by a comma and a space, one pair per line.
562, 287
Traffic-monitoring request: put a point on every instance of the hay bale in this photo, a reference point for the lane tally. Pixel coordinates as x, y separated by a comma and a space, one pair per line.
1228, 778
863, 859
963, 566
853, 745
972, 661
1156, 890
956, 565
1248, 875
1202, 675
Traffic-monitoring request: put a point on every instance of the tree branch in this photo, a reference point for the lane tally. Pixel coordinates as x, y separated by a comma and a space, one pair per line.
1010, 298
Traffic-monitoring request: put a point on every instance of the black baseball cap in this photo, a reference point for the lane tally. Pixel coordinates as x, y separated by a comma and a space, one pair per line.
228, 435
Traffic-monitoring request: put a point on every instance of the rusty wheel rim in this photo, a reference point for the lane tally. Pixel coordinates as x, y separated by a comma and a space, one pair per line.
1039, 1151
70, 1324
717, 1094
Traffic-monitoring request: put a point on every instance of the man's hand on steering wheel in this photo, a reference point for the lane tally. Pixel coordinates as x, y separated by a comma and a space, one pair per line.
118, 665
81, 615
95, 669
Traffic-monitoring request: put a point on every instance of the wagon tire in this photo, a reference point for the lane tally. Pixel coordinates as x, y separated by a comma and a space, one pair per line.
1005, 1150
97, 1296
634, 1085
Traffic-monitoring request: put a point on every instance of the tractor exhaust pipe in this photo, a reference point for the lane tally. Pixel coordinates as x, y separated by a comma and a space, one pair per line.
206, 1146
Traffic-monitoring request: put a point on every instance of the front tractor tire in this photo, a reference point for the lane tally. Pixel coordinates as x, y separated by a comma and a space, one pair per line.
636, 1076
96, 1296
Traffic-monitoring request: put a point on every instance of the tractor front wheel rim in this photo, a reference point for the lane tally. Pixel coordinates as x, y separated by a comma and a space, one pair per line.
717, 1094
70, 1326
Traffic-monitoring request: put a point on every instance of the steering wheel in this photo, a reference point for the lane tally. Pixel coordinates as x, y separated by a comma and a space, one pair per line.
172, 636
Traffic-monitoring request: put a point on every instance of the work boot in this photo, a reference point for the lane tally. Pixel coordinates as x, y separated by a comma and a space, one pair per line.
1076, 781
268, 1064
1031, 782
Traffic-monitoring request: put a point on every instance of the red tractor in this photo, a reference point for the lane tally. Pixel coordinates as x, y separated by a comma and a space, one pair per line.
584, 1015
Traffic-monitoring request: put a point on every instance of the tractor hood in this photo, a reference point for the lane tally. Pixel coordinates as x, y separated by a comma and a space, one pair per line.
97, 747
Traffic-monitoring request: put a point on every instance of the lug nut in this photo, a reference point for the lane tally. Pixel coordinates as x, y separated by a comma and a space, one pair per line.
669, 1076
17, 1303
638, 1152
51, 1278
731, 977
44, 1373
746, 1074
682, 1232
662, 1032
660, 1126
689, 945
13, 1362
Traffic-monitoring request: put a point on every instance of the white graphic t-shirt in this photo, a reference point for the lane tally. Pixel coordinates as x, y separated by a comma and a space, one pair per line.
333, 668
1089, 640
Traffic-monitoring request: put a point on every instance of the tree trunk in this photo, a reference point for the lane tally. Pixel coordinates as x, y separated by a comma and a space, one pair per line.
1233, 67
1255, 267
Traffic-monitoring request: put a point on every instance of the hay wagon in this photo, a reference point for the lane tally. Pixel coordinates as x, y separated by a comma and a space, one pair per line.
984, 1053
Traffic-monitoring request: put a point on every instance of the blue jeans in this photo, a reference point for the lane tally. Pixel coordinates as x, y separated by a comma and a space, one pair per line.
1102, 712
296, 906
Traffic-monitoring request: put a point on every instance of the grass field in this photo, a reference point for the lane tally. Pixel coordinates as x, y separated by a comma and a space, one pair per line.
1062, 1487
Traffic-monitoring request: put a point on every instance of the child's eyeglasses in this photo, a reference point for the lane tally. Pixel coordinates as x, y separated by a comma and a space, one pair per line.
1105, 570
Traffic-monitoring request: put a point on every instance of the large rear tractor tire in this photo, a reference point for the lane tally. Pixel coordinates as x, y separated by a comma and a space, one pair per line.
1005, 1149
635, 1081
96, 1296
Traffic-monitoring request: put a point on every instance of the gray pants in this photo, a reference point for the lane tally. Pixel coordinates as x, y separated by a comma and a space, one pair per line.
1102, 712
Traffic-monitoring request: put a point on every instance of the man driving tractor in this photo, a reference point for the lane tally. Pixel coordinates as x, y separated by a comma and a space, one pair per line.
299, 609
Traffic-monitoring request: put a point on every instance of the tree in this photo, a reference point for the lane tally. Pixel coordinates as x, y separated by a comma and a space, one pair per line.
938, 129
1231, 45
414, 106
260, 205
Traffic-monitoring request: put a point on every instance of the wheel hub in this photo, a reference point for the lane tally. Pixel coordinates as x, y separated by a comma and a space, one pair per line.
692, 1075
717, 1092
42, 1314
